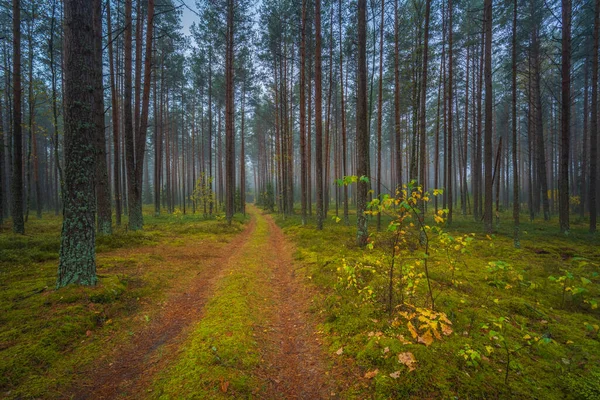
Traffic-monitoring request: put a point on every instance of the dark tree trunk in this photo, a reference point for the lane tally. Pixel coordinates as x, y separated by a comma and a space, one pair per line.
115, 118
397, 98
318, 116
422, 117
594, 123
17, 173
563, 181
127, 111
77, 262
487, 212
303, 177
448, 153
343, 117
362, 134
229, 119
380, 111
104, 216
516, 205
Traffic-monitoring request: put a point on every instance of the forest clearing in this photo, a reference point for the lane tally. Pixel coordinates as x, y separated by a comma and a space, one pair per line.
311, 199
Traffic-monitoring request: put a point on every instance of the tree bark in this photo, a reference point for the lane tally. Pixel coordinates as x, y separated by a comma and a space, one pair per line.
563, 182
594, 123
104, 210
380, 112
229, 119
362, 134
516, 204
318, 116
17, 173
115, 118
343, 117
449, 156
487, 212
77, 262
303, 177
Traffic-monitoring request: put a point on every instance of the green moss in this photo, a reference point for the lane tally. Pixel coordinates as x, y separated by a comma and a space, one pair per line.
44, 338
532, 304
222, 347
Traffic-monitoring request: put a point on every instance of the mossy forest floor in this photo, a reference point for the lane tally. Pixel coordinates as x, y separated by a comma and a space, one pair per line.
194, 308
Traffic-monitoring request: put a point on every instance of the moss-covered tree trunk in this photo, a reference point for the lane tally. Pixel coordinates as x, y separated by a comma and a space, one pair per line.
78, 249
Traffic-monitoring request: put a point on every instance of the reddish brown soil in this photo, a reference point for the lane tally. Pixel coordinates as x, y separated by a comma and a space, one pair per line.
127, 369
294, 363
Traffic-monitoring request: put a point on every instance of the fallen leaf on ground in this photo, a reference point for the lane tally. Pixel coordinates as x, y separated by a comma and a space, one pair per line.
446, 329
412, 330
407, 359
371, 374
224, 386
426, 339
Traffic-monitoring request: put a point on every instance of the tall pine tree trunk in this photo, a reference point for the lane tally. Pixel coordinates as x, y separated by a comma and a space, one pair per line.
594, 123
487, 212
17, 173
103, 207
318, 116
516, 205
563, 182
229, 119
362, 134
77, 263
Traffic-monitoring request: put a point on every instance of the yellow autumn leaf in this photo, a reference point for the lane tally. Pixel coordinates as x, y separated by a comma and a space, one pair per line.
412, 330
426, 339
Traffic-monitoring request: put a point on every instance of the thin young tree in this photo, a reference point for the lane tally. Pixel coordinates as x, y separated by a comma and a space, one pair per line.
77, 263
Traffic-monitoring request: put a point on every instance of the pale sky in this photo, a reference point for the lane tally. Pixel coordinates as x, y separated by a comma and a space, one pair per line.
188, 17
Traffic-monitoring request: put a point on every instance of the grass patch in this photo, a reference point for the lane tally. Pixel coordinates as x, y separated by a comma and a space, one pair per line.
565, 367
47, 335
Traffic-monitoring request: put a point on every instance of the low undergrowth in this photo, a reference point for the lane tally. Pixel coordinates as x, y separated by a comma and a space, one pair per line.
46, 335
484, 320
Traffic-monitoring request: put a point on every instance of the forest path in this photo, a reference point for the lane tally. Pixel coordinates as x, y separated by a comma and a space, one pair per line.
127, 369
293, 364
